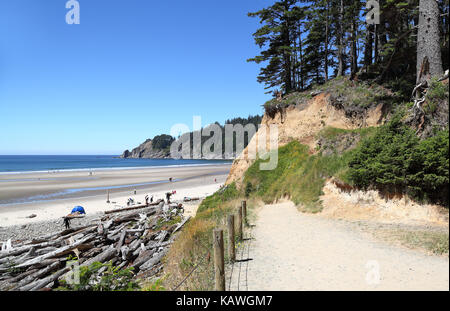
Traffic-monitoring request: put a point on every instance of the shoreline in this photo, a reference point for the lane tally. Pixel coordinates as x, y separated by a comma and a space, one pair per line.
97, 169
187, 182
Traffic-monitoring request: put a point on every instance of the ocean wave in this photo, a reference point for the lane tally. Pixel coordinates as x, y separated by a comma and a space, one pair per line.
111, 168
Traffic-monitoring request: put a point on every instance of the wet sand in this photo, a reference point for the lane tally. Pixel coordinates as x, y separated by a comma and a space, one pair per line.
51, 195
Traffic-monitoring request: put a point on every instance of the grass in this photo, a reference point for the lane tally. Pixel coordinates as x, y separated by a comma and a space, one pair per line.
435, 242
338, 141
223, 195
193, 247
161, 224
299, 176
333, 132
359, 94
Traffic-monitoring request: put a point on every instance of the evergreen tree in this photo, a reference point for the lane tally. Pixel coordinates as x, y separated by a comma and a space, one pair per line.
302, 41
275, 36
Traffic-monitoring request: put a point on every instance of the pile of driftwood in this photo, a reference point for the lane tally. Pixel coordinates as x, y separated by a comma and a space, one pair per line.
137, 239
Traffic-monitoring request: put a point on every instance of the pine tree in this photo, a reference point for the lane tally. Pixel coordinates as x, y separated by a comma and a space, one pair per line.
302, 41
340, 39
315, 44
276, 36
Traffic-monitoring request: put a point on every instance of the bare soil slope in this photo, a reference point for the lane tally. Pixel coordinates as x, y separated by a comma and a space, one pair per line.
303, 122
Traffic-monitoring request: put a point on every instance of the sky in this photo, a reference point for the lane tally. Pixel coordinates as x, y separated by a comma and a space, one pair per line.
129, 71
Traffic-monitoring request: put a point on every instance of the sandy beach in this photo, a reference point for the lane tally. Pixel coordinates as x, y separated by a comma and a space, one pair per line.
52, 195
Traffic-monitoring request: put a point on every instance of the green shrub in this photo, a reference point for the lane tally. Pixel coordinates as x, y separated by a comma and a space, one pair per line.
437, 90
429, 178
395, 161
383, 159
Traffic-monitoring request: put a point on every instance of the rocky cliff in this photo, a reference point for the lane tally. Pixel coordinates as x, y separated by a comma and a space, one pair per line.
301, 116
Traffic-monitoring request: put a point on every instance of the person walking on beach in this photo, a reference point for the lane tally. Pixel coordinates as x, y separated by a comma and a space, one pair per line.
168, 195
67, 223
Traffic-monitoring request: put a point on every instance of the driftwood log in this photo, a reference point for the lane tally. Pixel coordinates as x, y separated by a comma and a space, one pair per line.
131, 237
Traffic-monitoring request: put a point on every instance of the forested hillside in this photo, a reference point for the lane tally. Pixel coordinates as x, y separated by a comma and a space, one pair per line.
159, 146
308, 42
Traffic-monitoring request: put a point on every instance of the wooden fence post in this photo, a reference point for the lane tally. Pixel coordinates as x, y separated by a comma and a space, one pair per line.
107, 196
244, 212
239, 223
219, 264
231, 237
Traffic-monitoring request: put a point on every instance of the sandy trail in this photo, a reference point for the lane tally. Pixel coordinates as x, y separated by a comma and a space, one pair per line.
294, 251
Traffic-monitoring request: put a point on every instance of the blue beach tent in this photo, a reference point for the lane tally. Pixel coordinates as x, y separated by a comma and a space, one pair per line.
79, 209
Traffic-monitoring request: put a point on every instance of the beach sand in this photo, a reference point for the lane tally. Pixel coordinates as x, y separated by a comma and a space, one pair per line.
90, 190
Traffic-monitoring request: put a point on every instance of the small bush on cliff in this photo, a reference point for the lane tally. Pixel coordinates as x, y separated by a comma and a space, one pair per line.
430, 166
394, 160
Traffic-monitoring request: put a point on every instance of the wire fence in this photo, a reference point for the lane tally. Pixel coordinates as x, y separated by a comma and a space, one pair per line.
239, 266
205, 258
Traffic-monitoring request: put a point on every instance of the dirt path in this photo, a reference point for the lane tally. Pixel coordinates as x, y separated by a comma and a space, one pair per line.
288, 250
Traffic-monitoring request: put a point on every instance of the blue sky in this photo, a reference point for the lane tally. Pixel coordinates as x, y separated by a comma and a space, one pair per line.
130, 71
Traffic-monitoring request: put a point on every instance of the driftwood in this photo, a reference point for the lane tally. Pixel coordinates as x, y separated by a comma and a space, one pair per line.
152, 261
133, 207
42, 283
38, 274
74, 216
190, 199
143, 258
131, 239
121, 239
105, 256
181, 224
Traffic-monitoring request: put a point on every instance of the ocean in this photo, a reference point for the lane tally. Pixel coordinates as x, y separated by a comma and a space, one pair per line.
10, 164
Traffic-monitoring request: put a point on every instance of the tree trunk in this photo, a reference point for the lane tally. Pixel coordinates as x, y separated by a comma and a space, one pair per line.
368, 46
326, 42
381, 35
354, 56
376, 47
301, 57
286, 54
428, 45
341, 40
